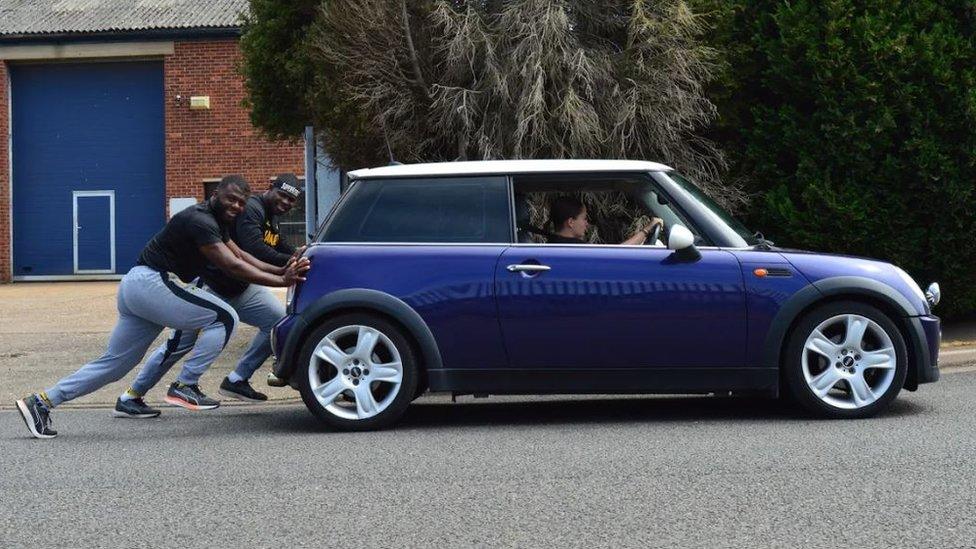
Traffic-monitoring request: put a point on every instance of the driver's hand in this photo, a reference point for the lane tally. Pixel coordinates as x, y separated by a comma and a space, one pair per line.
650, 226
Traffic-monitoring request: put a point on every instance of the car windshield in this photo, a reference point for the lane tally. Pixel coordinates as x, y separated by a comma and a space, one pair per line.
736, 230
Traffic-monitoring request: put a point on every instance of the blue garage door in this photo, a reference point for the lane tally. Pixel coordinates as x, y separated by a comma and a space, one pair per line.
82, 133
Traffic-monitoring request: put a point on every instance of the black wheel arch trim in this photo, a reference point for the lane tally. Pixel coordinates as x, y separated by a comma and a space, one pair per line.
361, 299
853, 286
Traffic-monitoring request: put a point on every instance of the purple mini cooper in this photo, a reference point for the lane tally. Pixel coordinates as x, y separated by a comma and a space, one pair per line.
436, 277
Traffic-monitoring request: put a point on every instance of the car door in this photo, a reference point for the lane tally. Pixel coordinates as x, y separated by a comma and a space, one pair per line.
606, 308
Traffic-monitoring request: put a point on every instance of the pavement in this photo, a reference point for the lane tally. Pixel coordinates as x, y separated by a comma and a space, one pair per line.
48, 330
502, 472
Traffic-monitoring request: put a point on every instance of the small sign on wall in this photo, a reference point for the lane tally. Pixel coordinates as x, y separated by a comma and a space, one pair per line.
176, 205
200, 102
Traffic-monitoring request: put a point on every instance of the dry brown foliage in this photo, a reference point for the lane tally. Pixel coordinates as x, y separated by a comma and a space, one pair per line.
440, 80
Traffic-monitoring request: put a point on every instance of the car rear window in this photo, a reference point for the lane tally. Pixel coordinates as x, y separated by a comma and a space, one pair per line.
458, 209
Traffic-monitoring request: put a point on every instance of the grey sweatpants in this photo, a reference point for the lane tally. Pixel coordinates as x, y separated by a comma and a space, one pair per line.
255, 306
149, 301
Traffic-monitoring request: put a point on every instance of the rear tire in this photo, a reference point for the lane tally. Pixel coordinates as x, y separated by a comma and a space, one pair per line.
845, 360
357, 372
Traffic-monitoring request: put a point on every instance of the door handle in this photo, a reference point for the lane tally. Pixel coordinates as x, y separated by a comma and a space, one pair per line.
528, 268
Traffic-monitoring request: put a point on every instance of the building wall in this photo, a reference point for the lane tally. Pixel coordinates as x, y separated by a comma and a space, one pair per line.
5, 236
207, 144
200, 144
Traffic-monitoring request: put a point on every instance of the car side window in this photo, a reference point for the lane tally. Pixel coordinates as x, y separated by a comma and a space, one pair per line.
616, 207
424, 210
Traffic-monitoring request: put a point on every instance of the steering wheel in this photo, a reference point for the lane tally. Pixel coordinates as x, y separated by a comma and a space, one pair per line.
654, 236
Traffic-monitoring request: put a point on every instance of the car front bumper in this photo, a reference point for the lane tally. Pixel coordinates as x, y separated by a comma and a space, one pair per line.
927, 336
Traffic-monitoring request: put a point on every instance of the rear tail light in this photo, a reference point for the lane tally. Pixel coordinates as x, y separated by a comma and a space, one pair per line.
294, 289
274, 342
290, 298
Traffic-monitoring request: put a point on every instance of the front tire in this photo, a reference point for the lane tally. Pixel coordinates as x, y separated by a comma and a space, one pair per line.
845, 360
357, 372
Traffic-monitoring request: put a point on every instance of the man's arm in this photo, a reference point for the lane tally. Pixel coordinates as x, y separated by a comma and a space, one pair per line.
220, 255
250, 238
261, 265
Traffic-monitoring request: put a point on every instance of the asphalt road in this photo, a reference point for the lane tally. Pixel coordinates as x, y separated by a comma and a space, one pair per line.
639, 472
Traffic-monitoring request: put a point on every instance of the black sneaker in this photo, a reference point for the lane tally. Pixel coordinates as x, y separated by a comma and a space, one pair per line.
190, 397
241, 390
134, 408
37, 417
275, 381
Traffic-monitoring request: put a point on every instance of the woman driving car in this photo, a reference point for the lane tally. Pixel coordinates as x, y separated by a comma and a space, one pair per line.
570, 223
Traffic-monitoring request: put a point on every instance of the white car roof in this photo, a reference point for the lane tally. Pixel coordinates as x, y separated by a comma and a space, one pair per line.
484, 167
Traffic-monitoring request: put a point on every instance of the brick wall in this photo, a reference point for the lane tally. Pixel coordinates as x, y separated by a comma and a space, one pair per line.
206, 144
5, 236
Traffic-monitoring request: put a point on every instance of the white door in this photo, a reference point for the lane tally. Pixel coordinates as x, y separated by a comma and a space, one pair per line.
94, 232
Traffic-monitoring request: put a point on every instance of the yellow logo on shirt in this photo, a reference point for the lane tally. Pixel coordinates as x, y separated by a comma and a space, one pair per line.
270, 238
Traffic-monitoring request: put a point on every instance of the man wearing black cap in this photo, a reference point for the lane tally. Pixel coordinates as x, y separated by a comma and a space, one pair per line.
256, 232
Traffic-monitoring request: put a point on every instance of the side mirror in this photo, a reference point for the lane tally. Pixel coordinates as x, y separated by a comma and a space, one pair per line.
680, 238
682, 242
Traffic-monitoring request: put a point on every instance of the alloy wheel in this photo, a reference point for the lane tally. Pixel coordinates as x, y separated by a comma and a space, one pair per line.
849, 361
355, 372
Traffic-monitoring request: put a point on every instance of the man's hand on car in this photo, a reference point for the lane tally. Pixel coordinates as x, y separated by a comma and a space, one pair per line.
295, 270
294, 257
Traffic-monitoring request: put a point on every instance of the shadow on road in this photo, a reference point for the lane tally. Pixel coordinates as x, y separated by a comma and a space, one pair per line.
603, 410
438, 414
611, 410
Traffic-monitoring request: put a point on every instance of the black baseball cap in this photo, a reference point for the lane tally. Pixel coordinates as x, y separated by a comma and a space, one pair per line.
288, 184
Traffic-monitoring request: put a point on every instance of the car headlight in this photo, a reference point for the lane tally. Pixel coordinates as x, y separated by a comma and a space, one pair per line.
934, 294
916, 289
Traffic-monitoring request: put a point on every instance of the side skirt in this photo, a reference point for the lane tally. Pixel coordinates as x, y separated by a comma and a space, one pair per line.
764, 381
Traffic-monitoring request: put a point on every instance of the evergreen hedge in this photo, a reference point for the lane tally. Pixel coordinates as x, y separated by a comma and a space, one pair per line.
854, 125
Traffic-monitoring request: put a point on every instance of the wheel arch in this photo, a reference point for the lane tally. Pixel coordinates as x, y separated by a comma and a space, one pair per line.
847, 288
364, 300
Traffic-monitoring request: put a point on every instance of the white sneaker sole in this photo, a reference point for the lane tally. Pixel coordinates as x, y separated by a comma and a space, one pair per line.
29, 420
230, 394
184, 404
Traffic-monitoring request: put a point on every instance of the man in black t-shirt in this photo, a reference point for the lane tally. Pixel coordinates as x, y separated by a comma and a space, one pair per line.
152, 296
256, 232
